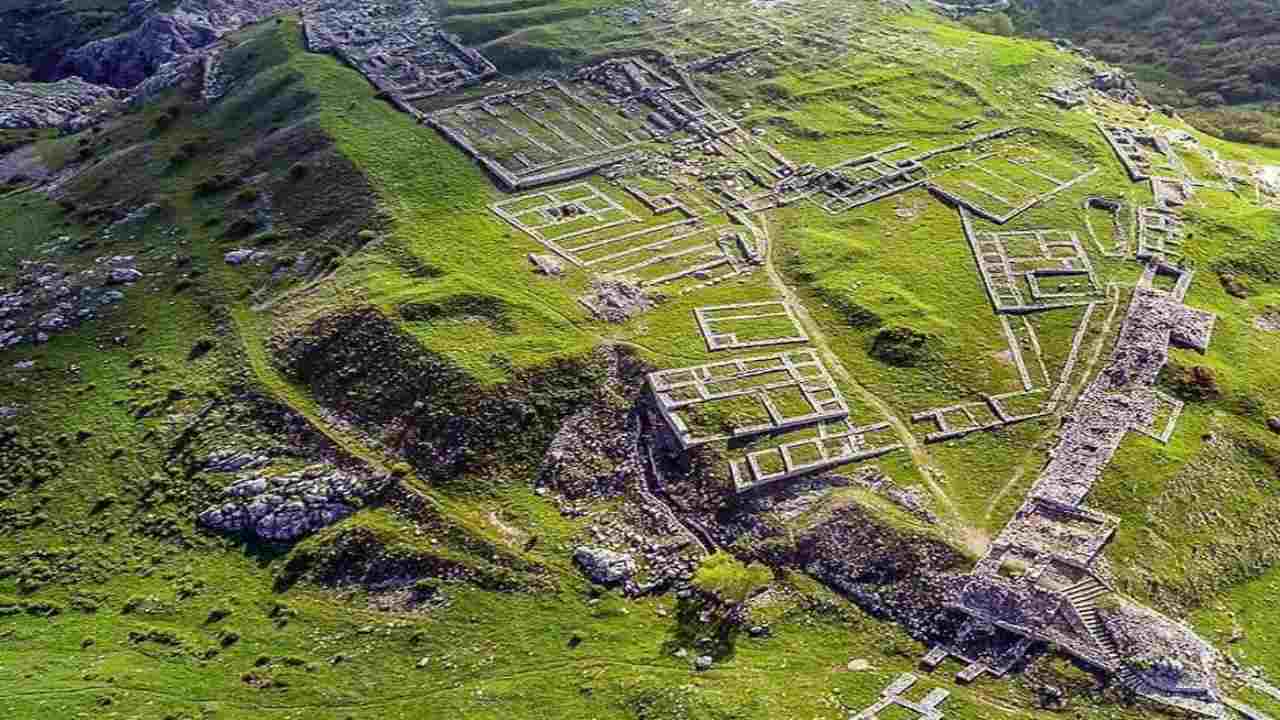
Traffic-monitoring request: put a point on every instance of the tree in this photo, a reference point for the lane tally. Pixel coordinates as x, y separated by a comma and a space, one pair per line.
729, 579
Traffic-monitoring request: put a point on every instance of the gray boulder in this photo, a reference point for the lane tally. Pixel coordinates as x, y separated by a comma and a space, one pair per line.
547, 265
603, 566
239, 257
120, 276
1274, 424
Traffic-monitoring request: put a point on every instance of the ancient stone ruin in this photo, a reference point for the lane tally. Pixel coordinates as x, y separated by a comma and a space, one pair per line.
1042, 577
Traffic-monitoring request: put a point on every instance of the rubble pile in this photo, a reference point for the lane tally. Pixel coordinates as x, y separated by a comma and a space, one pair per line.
615, 300
1113, 83
603, 566
1166, 655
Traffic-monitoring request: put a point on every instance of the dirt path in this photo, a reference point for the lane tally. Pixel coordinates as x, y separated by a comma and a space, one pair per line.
919, 454
506, 38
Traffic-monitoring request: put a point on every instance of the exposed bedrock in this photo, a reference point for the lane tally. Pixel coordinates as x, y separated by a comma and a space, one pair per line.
287, 507
125, 60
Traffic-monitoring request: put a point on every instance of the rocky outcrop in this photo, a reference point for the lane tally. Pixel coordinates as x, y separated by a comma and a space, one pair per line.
287, 507
355, 556
603, 566
69, 104
363, 367
886, 570
47, 298
125, 60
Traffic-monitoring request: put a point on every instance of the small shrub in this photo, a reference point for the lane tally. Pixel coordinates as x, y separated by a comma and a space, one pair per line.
729, 579
241, 227
214, 184
1192, 384
218, 614
900, 346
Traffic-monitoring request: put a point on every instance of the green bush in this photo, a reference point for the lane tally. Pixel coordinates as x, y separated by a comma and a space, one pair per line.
900, 346
729, 579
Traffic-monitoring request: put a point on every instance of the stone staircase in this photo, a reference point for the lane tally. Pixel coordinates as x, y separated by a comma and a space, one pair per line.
1084, 597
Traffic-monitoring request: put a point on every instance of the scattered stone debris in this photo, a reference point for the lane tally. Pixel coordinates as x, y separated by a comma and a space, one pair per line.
616, 301
1113, 83
596, 452
287, 507
1268, 321
48, 298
